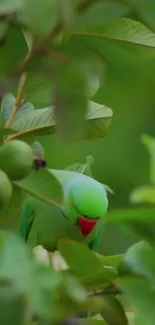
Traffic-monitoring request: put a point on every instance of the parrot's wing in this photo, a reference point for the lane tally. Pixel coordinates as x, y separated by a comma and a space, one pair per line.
27, 217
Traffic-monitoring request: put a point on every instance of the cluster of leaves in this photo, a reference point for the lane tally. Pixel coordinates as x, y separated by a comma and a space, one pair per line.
53, 59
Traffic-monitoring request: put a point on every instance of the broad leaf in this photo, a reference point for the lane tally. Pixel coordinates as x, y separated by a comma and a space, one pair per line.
10, 53
41, 122
140, 258
142, 298
7, 105
10, 215
15, 261
112, 260
101, 13
84, 262
113, 312
12, 305
44, 186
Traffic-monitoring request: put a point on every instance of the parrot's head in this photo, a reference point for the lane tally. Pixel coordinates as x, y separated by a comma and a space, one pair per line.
85, 203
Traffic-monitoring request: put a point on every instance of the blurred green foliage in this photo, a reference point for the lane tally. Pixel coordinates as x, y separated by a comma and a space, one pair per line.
74, 70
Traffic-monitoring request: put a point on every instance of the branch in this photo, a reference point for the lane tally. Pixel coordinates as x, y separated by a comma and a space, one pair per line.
37, 51
17, 102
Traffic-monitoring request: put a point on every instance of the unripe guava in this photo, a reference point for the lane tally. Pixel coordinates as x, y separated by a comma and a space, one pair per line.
16, 159
5, 190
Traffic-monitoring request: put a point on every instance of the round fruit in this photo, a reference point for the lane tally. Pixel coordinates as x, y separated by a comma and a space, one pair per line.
5, 190
16, 159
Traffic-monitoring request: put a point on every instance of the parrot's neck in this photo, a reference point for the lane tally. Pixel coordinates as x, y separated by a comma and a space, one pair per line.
84, 224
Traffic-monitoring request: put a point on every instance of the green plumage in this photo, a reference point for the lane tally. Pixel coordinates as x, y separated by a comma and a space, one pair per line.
43, 224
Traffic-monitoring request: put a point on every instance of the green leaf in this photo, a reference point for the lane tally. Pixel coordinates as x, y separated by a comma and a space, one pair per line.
149, 143
7, 105
15, 261
128, 34
8, 6
12, 305
41, 122
112, 260
8, 63
142, 298
82, 168
10, 216
101, 13
39, 17
70, 103
99, 120
40, 295
85, 264
143, 194
145, 10
140, 258
113, 312
44, 186
79, 257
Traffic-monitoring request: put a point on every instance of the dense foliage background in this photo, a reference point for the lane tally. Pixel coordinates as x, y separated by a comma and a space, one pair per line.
78, 77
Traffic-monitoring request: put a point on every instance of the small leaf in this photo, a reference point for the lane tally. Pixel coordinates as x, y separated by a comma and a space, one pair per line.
44, 186
113, 312
101, 13
112, 260
38, 150
82, 168
143, 194
149, 142
7, 104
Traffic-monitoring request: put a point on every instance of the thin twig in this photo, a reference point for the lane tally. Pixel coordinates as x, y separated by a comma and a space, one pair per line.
18, 101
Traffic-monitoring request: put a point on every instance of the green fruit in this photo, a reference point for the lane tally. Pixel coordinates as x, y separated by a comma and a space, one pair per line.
16, 159
5, 190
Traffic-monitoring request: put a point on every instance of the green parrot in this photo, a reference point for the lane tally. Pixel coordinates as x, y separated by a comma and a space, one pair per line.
85, 204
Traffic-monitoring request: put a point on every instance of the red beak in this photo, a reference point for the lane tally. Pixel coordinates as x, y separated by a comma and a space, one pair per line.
86, 225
